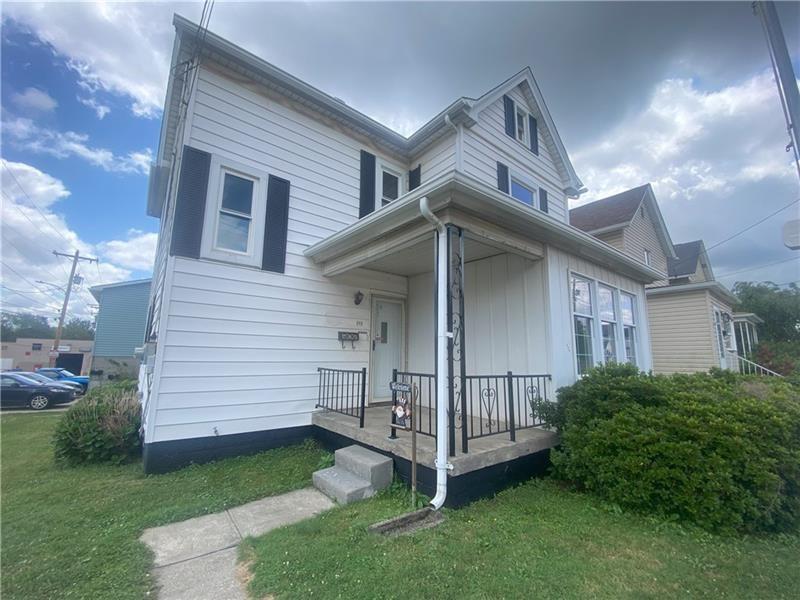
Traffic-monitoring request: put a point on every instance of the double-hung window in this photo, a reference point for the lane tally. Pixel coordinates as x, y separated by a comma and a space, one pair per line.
235, 212
235, 220
390, 184
582, 310
628, 309
608, 323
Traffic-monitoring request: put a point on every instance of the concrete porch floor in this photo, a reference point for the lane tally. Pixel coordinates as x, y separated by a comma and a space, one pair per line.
483, 452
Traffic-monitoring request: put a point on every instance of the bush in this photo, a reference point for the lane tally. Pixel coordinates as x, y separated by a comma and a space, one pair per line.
102, 427
720, 450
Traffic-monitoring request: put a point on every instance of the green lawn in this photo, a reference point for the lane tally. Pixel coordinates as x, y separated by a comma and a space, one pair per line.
73, 533
534, 541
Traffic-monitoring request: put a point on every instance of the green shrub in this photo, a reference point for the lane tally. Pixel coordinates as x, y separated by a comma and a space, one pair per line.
720, 450
102, 427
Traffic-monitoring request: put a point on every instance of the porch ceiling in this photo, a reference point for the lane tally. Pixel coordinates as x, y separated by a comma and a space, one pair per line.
419, 257
394, 237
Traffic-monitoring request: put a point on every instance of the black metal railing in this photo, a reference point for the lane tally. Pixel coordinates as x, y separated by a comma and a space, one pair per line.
485, 404
343, 391
503, 403
423, 385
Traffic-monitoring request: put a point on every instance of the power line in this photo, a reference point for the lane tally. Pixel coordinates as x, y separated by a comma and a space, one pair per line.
23, 255
24, 295
22, 212
777, 262
749, 227
26, 280
19, 185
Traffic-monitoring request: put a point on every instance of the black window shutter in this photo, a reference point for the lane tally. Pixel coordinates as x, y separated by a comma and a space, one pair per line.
543, 200
414, 178
190, 203
502, 177
532, 126
274, 256
508, 104
366, 199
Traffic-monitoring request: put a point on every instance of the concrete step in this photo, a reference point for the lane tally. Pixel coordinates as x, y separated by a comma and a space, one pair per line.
366, 464
342, 485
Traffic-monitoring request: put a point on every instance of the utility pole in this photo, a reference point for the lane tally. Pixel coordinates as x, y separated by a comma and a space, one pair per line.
75, 258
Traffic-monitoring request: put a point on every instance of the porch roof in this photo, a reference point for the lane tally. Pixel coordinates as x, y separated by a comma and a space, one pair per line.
488, 215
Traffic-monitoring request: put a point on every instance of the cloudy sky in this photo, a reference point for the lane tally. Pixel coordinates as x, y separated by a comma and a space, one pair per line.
677, 94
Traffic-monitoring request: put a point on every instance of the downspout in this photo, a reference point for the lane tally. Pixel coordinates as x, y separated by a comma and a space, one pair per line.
459, 143
442, 334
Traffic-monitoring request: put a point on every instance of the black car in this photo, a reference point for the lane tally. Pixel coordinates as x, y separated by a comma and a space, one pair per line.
69, 385
18, 390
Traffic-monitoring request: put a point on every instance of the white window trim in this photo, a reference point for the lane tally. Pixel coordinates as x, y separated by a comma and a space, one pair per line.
531, 184
615, 321
591, 317
635, 326
381, 166
526, 133
255, 241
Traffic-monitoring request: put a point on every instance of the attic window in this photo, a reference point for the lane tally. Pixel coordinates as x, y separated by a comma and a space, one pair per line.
522, 125
390, 186
648, 259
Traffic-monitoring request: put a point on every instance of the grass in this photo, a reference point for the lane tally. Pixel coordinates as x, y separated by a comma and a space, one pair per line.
536, 540
73, 532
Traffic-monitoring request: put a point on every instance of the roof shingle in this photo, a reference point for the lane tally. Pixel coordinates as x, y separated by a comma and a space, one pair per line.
618, 209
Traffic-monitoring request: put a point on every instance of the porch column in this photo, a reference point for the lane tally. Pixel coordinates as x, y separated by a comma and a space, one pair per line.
457, 364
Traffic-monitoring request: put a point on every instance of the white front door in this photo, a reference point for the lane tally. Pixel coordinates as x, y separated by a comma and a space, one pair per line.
720, 338
387, 345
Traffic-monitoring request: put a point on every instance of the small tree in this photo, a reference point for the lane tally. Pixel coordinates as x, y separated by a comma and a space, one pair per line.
78, 329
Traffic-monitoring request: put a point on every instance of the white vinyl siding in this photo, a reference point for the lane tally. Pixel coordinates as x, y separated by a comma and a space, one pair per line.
437, 159
560, 265
239, 347
486, 143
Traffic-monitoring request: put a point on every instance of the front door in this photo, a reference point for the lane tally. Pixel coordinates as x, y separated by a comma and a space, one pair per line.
387, 345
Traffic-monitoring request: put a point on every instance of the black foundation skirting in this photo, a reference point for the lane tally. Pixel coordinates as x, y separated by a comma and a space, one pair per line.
161, 457
461, 489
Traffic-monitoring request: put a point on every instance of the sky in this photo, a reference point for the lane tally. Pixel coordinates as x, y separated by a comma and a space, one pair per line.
680, 95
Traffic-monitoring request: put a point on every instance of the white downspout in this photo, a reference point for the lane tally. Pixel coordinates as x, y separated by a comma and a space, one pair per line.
442, 334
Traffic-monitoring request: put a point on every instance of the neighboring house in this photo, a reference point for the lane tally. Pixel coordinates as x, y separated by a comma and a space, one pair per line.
746, 327
29, 354
691, 318
690, 313
293, 254
119, 328
631, 222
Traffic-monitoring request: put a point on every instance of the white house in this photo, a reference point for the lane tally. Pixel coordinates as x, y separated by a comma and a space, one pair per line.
293, 254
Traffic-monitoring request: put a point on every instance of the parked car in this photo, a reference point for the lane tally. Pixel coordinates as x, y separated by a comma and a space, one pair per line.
59, 374
65, 383
18, 390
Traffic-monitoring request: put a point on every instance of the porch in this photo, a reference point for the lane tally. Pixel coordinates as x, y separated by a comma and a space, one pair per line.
483, 452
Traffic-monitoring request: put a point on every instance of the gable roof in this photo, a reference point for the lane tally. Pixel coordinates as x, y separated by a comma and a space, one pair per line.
608, 213
460, 112
617, 211
530, 87
687, 256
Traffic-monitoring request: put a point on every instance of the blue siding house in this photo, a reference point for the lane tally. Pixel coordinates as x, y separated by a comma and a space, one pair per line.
120, 328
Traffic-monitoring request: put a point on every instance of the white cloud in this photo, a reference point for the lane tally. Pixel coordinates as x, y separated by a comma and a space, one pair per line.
34, 100
121, 48
32, 229
101, 110
25, 134
137, 252
689, 142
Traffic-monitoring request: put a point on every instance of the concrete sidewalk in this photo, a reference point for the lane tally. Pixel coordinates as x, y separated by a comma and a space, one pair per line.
196, 559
